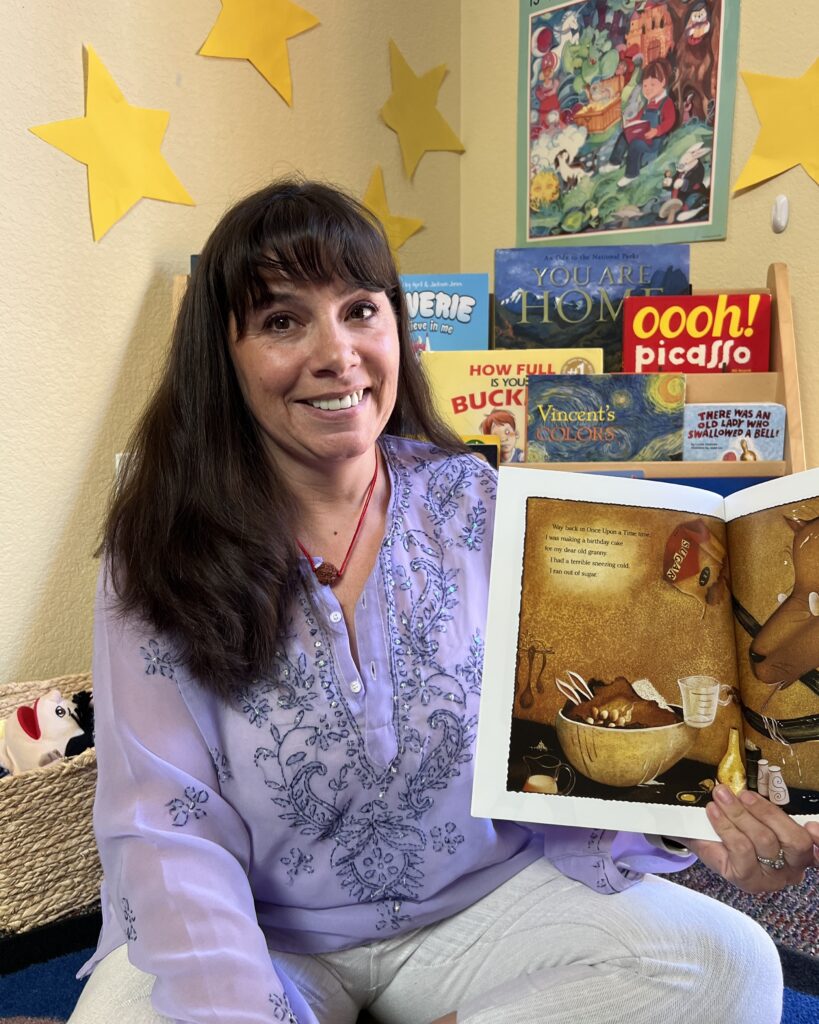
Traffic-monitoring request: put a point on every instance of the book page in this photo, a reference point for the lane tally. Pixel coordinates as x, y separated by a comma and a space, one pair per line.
609, 692
774, 540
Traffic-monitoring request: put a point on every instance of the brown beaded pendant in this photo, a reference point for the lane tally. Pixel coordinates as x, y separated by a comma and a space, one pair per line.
327, 574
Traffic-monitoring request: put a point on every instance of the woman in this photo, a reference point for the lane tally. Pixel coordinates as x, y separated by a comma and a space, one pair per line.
287, 660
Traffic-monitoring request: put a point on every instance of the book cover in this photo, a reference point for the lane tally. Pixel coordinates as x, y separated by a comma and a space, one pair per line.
485, 392
733, 433
447, 312
485, 445
605, 417
714, 333
565, 298
627, 671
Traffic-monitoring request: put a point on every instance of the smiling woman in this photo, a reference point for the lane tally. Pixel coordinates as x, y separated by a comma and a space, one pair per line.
287, 666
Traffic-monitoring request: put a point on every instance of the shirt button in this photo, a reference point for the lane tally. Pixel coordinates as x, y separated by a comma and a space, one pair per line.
355, 686
335, 616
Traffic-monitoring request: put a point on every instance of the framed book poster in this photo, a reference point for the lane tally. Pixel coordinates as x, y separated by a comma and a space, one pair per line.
625, 119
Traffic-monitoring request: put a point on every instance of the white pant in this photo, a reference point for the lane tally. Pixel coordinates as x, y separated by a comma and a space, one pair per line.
541, 948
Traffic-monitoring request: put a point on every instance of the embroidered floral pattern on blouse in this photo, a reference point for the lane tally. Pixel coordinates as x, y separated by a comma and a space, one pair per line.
472, 669
447, 838
182, 810
472, 535
297, 861
440, 761
129, 918
157, 660
314, 742
254, 705
221, 764
282, 1010
378, 856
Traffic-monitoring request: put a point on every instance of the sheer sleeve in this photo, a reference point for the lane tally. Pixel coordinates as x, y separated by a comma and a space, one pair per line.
609, 861
175, 854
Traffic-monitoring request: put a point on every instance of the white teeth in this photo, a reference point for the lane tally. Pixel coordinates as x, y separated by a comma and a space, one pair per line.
332, 404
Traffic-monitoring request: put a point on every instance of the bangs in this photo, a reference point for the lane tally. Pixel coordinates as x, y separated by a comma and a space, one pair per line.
307, 235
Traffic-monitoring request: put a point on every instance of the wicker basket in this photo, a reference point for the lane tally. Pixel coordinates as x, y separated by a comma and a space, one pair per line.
49, 868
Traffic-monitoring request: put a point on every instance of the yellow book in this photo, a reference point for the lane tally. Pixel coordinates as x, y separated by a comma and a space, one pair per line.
484, 392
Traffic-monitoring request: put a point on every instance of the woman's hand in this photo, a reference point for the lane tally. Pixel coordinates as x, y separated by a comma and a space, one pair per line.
750, 827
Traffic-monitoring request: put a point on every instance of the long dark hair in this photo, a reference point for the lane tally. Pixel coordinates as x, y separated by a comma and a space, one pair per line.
197, 539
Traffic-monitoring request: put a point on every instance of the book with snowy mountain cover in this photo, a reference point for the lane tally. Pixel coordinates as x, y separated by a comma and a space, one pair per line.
564, 298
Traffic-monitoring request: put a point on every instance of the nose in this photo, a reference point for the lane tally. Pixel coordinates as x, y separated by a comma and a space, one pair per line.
334, 351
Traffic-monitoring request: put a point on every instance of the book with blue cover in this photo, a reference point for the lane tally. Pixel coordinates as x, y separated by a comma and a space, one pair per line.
569, 297
624, 417
447, 312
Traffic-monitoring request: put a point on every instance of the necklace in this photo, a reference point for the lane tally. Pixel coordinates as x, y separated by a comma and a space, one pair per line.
327, 574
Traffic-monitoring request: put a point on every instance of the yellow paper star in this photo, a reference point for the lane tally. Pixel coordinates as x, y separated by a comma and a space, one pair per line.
398, 229
120, 144
412, 113
788, 112
258, 30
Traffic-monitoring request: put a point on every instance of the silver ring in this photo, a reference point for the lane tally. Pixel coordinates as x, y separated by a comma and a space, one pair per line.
776, 862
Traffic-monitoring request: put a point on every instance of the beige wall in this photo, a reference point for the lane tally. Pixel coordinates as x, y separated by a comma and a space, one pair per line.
85, 324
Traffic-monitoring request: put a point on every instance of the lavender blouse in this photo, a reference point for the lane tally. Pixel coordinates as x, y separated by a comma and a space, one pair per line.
325, 806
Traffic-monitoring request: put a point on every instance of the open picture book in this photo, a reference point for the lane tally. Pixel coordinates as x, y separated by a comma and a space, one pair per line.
645, 641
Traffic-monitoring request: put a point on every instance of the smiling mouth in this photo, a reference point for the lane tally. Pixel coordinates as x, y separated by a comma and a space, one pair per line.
333, 404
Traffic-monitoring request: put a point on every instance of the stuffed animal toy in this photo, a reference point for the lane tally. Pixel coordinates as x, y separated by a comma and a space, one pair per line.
51, 728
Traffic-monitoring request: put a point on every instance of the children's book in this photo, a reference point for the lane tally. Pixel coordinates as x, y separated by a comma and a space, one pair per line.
487, 446
485, 392
644, 642
733, 433
719, 332
621, 417
568, 297
447, 312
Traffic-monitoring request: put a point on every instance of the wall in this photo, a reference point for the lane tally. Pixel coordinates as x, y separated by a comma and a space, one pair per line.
84, 324
785, 45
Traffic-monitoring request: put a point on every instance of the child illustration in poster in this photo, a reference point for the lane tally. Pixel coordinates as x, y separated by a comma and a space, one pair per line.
627, 118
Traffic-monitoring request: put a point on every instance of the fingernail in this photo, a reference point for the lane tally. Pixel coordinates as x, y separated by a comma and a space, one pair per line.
724, 795
748, 798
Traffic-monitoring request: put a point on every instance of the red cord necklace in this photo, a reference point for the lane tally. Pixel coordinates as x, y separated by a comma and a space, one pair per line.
327, 573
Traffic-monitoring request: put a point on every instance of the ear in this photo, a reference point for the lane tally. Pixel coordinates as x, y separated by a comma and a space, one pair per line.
794, 523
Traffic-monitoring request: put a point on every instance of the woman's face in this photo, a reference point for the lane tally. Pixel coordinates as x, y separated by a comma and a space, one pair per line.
318, 367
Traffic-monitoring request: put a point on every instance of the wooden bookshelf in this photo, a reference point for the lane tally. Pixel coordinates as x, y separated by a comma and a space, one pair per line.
780, 385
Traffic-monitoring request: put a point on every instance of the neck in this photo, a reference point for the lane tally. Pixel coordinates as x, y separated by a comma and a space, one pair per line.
332, 491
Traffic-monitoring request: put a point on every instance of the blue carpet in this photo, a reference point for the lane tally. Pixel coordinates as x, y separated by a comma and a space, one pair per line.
51, 990
43, 990
800, 1008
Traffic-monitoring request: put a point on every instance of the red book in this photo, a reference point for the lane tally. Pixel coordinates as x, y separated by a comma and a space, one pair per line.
718, 332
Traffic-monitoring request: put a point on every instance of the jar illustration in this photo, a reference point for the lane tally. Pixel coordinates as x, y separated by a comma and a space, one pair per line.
762, 777
777, 789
